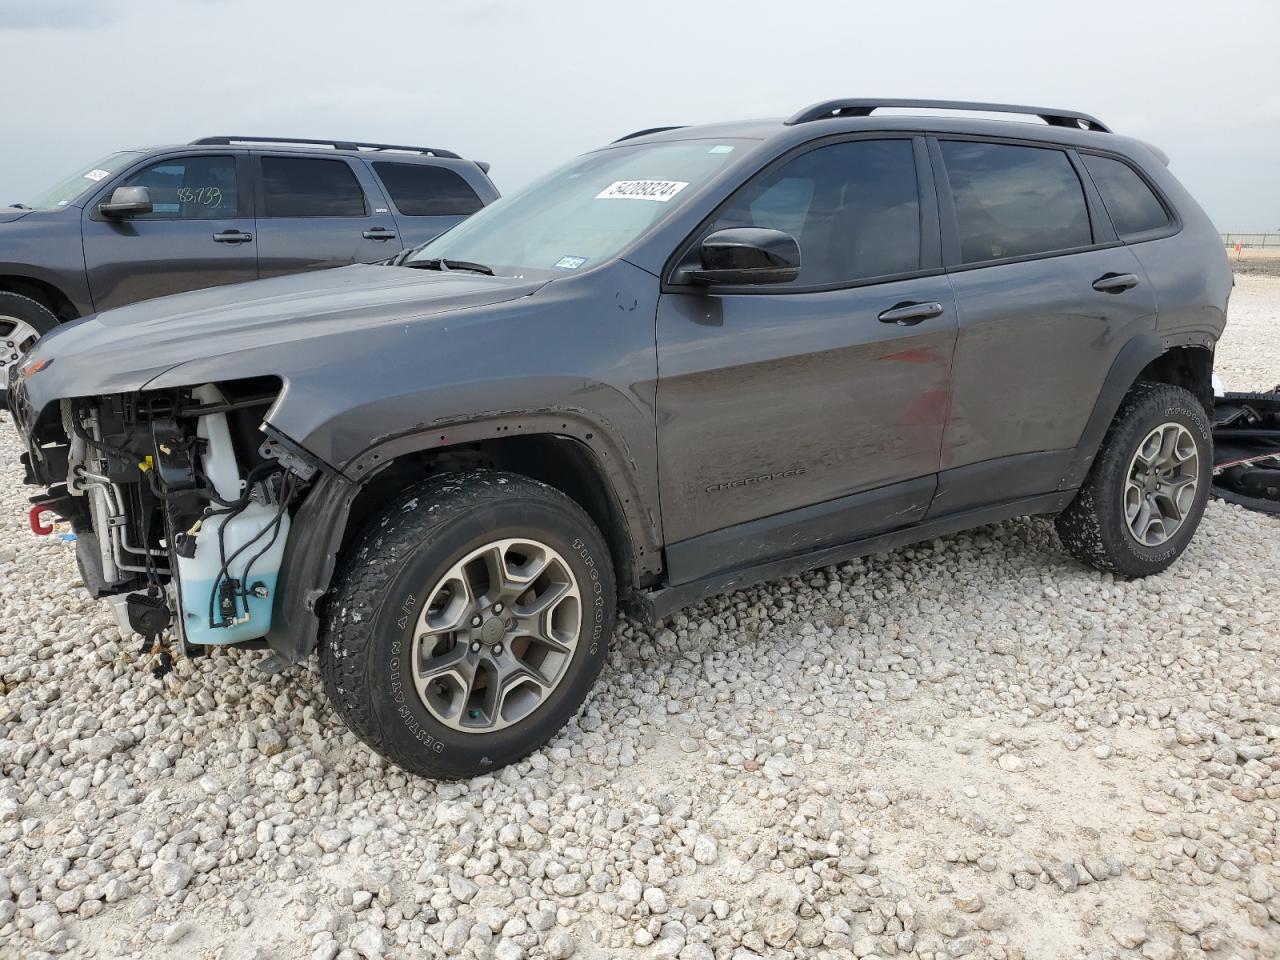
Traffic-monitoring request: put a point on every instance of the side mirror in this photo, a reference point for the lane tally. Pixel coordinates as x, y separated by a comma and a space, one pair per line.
126, 202
746, 255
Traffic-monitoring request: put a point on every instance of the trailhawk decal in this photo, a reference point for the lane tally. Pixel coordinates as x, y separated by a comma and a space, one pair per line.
659, 190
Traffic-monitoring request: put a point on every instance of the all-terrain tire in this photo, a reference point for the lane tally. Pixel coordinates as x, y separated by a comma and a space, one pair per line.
1093, 527
367, 638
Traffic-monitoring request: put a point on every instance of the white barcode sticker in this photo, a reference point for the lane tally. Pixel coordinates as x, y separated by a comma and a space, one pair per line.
659, 190
96, 175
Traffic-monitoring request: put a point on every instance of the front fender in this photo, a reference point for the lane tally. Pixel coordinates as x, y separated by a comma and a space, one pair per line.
320, 525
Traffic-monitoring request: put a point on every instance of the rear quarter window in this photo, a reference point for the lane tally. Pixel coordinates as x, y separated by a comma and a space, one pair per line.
425, 190
1134, 209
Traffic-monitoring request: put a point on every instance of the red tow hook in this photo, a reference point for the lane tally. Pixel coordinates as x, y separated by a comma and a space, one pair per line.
39, 527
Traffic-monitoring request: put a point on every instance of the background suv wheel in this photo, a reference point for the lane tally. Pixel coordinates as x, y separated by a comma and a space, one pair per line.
1143, 498
23, 321
470, 620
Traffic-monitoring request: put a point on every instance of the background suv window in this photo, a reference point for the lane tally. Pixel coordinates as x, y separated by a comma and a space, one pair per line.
306, 187
1132, 206
188, 188
854, 208
1014, 201
424, 190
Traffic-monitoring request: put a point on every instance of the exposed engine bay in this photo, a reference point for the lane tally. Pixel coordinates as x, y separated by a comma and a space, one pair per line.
180, 509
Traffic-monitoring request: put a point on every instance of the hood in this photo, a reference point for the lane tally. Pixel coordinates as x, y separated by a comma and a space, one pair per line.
214, 330
9, 214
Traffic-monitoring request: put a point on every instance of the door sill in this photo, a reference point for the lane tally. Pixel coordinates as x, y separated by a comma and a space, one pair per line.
653, 606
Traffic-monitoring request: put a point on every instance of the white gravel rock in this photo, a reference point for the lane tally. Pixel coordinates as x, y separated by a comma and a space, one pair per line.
171, 877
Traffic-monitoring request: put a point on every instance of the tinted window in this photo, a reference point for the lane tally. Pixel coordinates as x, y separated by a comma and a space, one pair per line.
852, 206
188, 188
422, 190
303, 187
1014, 201
1133, 207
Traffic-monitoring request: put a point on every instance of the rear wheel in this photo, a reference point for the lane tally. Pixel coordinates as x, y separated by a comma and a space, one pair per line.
470, 621
1143, 498
23, 321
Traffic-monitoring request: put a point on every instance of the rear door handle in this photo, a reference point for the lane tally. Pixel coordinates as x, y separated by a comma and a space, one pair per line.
232, 236
379, 233
1115, 282
908, 314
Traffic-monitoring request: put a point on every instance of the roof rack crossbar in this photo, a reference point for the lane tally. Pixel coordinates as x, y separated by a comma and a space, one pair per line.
863, 107
353, 145
648, 130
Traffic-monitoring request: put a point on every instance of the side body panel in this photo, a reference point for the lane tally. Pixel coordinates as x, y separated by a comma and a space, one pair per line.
415, 231
46, 246
1036, 342
771, 403
1037, 346
139, 259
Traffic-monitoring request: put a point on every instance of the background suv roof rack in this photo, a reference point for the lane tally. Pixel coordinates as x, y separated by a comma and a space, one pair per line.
648, 130
863, 107
354, 145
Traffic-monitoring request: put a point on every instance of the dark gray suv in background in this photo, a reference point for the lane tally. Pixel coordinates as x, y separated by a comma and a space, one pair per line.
687, 362
144, 223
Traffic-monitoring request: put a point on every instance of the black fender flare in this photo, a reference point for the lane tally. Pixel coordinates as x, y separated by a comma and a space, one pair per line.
1129, 362
319, 526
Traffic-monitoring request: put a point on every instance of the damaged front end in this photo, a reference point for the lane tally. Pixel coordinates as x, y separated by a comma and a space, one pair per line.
181, 506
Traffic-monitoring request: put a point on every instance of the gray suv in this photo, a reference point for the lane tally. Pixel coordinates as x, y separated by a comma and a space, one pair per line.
144, 223
693, 360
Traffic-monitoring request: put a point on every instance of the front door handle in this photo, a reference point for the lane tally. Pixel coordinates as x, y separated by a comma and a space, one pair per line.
1115, 282
379, 233
233, 236
909, 313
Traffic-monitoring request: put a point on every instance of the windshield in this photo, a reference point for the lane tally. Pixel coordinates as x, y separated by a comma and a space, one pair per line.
88, 177
584, 213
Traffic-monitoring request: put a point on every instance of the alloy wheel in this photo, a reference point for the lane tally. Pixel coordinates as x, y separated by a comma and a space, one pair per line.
496, 634
1161, 484
16, 338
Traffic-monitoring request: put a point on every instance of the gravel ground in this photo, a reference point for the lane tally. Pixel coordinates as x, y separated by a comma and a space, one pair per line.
974, 747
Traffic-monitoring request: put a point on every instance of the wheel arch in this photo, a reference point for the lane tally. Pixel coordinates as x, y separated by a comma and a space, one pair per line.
577, 461
1183, 360
43, 292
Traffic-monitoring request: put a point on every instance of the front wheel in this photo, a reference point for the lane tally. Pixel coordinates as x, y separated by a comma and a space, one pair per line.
1143, 498
470, 621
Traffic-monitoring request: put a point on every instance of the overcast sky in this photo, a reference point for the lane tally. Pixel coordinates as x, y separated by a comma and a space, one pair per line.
525, 85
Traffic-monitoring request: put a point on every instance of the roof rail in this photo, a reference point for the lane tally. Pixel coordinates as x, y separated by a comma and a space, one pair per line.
354, 145
863, 107
648, 130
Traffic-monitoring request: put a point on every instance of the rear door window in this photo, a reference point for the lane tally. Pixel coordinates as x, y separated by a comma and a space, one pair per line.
425, 190
310, 187
1133, 208
1014, 201
189, 188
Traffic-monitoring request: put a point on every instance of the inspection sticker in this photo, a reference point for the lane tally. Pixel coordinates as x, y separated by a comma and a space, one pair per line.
659, 190
96, 175
570, 263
